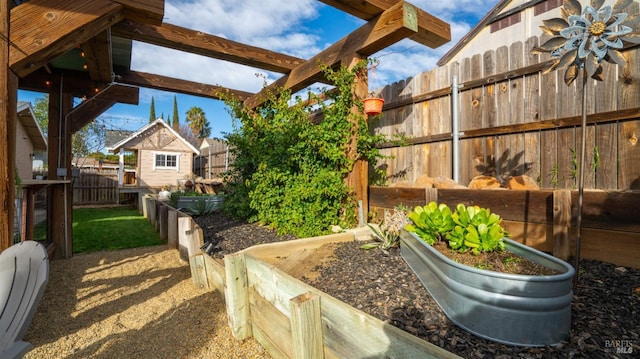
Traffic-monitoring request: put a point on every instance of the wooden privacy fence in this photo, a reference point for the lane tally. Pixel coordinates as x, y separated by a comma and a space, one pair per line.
212, 161
513, 120
544, 219
96, 187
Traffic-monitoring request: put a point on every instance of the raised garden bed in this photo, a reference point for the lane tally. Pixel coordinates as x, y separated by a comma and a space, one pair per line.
285, 314
604, 306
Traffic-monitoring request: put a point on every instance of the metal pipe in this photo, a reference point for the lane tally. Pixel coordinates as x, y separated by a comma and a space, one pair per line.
454, 126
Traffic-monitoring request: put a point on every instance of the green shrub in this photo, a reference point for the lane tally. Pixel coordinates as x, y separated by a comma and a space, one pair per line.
289, 173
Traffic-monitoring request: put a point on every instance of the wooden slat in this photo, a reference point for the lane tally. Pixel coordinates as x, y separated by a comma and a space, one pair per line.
561, 223
215, 274
41, 30
348, 332
390, 197
393, 25
271, 328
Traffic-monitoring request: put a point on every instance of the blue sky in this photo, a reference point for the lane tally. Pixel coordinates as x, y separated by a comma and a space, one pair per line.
302, 28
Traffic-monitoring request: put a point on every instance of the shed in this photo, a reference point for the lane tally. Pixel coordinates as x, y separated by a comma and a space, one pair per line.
162, 157
508, 22
29, 140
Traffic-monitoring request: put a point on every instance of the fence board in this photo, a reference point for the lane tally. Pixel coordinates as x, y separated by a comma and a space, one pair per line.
531, 84
629, 155
515, 86
489, 114
513, 120
503, 95
607, 169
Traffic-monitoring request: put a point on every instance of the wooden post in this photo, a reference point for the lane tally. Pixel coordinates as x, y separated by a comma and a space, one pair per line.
358, 178
237, 296
198, 271
190, 238
59, 197
151, 210
172, 229
561, 223
306, 326
8, 114
163, 221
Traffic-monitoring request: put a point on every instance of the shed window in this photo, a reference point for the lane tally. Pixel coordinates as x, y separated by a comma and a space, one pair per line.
505, 22
546, 6
164, 160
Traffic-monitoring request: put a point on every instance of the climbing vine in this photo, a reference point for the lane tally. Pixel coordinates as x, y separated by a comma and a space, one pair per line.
289, 173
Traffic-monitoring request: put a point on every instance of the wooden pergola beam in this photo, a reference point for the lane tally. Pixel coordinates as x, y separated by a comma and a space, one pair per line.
393, 25
200, 43
432, 31
92, 107
165, 83
98, 57
143, 11
42, 30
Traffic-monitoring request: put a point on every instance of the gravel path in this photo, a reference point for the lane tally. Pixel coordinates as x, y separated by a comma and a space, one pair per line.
132, 303
605, 309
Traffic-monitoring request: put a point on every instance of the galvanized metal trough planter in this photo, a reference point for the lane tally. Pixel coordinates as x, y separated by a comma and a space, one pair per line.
513, 309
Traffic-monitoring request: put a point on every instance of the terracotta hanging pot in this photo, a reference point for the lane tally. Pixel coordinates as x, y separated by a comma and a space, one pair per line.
373, 105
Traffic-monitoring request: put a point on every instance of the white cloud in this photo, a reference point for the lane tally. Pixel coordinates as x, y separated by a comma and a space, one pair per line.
282, 28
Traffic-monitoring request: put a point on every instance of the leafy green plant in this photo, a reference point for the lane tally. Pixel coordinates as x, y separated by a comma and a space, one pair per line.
288, 172
200, 207
554, 176
431, 222
595, 161
476, 229
386, 235
468, 228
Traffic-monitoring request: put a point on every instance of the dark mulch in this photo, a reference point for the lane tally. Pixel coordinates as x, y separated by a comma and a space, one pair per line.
605, 309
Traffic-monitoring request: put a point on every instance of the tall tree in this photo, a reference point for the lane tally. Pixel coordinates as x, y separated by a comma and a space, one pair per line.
41, 110
176, 122
87, 140
198, 122
152, 112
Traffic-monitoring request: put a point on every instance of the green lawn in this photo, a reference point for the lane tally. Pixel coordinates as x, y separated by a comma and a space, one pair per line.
96, 229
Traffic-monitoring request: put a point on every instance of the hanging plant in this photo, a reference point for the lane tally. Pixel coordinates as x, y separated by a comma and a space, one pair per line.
373, 104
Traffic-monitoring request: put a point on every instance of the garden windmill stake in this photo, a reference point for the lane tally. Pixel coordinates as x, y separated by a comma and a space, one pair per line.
580, 40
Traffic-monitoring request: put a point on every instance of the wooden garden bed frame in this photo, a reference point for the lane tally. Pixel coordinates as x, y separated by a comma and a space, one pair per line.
288, 317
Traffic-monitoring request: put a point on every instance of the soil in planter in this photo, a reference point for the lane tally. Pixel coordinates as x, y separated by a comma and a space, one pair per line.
503, 262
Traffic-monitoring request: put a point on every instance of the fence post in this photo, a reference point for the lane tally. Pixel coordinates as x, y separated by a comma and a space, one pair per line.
237, 296
163, 219
190, 238
561, 223
306, 326
172, 228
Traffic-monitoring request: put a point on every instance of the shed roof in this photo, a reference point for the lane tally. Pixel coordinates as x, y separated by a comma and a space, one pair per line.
27, 118
486, 20
158, 122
